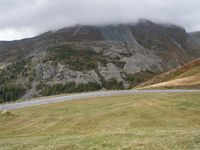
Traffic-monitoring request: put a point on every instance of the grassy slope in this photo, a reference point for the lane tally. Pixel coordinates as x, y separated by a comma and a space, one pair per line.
187, 76
151, 121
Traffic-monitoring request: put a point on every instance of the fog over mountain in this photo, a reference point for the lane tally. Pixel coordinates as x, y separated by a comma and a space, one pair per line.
22, 18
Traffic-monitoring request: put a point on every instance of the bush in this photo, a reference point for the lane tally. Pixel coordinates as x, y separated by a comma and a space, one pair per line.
70, 87
113, 84
138, 78
91, 86
11, 93
12, 71
76, 59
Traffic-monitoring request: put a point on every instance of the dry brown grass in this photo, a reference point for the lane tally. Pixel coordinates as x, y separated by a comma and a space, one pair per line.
187, 76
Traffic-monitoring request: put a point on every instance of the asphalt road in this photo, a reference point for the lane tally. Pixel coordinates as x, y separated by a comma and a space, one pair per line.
41, 101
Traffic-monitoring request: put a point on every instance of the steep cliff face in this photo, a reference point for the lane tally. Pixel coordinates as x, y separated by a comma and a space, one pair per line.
112, 57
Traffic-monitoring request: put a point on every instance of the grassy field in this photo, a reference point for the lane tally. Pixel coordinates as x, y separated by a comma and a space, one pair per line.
185, 77
126, 122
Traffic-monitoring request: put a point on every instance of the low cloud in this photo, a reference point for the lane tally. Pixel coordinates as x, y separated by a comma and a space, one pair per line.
25, 18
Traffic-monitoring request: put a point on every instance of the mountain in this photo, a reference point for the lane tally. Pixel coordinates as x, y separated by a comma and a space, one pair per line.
196, 34
187, 76
85, 58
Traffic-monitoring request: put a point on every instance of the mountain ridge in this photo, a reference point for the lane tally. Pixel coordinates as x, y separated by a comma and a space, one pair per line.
94, 57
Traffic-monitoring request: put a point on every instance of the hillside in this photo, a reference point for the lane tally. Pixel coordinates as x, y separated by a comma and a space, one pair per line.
197, 34
143, 121
187, 76
86, 58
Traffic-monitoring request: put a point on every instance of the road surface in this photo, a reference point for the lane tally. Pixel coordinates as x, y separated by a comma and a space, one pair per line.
41, 101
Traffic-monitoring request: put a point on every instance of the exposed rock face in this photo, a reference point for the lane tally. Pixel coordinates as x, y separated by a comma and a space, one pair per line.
62, 74
84, 54
111, 71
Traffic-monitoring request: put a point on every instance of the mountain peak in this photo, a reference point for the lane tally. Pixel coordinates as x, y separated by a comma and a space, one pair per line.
93, 57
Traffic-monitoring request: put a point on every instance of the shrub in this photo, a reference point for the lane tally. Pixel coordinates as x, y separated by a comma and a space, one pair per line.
113, 84
69, 87
138, 78
75, 58
11, 92
12, 71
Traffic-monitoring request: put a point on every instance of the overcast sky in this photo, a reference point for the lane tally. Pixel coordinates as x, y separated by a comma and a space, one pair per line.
26, 18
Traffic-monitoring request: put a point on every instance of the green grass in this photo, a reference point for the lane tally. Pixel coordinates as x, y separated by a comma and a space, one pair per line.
143, 121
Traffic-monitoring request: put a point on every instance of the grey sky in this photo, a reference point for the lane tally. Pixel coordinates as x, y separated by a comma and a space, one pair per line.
25, 18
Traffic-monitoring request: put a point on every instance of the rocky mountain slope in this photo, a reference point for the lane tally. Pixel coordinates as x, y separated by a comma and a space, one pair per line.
196, 34
187, 76
83, 58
